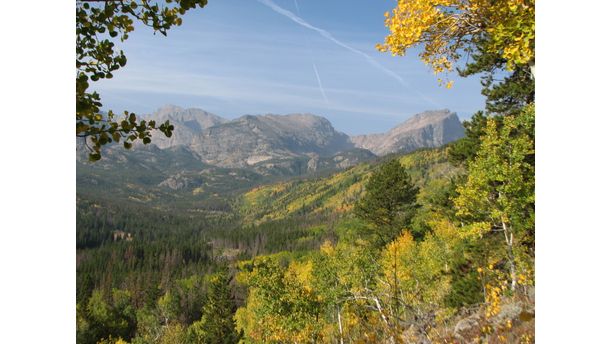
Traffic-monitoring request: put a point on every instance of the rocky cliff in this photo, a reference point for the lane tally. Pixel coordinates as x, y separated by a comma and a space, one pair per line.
424, 130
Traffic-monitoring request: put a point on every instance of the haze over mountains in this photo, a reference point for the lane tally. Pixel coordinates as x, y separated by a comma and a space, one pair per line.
271, 140
424, 130
208, 152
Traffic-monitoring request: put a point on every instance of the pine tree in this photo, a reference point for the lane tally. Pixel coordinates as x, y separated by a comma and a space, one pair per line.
390, 201
217, 324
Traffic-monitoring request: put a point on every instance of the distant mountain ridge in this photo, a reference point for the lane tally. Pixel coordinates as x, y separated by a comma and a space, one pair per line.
208, 155
266, 140
427, 129
250, 140
271, 145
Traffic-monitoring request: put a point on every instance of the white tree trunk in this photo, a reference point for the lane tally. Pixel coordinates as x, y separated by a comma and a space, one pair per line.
509, 241
340, 325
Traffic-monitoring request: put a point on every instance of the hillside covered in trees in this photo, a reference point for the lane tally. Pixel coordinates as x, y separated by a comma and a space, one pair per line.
416, 247
433, 246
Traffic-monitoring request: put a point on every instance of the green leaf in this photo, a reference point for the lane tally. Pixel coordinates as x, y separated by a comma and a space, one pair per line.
94, 156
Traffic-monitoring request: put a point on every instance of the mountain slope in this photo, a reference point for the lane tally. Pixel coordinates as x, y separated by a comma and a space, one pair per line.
338, 192
250, 140
424, 130
208, 156
295, 144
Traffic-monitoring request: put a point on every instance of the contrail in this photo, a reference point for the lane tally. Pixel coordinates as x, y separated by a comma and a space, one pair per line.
296, 6
370, 59
314, 66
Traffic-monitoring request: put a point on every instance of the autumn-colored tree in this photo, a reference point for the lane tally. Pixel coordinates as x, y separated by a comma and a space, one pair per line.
506, 93
99, 24
343, 276
282, 306
417, 276
450, 29
498, 196
111, 340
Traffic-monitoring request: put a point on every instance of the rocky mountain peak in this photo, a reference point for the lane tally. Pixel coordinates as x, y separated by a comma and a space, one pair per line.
270, 139
292, 142
426, 129
188, 123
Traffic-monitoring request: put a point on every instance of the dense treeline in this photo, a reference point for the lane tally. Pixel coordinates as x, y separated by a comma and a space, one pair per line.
129, 246
99, 221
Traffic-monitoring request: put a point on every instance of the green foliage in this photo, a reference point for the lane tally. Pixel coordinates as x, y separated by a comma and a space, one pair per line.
217, 324
507, 96
103, 317
390, 201
335, 193
282, 298
500, 182
466, 289
329, 281
465, 149
498, 195
98, 26
435, 199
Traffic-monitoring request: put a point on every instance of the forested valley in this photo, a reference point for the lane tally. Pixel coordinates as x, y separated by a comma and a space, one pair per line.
432, 246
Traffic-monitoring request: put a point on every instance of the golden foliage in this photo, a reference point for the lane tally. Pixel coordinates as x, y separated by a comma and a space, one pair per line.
447, 28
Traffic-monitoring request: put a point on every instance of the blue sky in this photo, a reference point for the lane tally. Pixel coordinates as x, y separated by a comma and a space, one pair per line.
237, 57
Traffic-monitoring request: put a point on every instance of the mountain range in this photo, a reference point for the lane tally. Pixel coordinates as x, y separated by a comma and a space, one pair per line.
267, 142
207, 152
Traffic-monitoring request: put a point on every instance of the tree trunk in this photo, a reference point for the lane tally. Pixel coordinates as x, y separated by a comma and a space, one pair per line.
340, 325
509, 241
384, 318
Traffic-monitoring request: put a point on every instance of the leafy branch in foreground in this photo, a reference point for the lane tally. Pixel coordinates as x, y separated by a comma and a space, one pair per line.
450, 29
99, 24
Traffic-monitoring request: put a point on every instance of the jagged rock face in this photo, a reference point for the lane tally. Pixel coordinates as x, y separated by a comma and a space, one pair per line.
188, 124
253, 140
282, 144
210, 155
424, 130
275, 141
